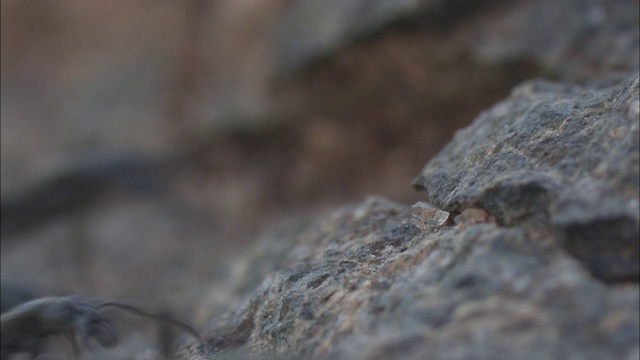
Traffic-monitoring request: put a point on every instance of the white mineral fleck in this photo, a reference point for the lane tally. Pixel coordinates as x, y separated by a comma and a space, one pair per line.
430, 216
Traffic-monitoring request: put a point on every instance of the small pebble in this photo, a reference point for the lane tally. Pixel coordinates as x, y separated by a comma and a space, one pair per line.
430, 216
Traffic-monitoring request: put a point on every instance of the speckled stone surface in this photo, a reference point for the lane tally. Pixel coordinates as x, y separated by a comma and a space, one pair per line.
553, 156
539, 264
366, 283
542, 196
542, 193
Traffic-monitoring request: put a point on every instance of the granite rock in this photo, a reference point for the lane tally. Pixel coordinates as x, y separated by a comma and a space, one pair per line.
367, 282
515, 269
539, 205
557, 156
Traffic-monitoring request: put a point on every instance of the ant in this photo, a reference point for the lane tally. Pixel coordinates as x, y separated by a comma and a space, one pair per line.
26, 327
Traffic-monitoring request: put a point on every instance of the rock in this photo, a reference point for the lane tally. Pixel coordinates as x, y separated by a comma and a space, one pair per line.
366, 282
571, 39
309, 30
515, 268
568, 39
554, 164
557, 156
406, 79
393, 72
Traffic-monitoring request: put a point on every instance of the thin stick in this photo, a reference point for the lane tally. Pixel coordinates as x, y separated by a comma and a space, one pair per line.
159, 317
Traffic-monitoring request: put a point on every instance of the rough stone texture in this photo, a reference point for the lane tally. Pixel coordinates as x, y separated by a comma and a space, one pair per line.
366, 283
556, 156
378, 96
552, 165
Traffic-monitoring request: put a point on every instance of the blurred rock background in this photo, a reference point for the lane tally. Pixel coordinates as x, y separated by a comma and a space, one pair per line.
143, 142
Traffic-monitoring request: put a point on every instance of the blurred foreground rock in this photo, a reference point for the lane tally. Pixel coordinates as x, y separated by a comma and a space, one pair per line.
542, 191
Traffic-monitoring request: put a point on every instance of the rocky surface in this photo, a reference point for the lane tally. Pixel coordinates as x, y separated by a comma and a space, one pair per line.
143, 144
570, 39
542, 192
574, 39
194, 71
556, 156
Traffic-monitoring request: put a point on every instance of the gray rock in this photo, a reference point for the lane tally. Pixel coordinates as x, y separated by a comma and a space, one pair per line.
367, 282
311, 29
573, 39
553, 164
557, 156
372, 281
